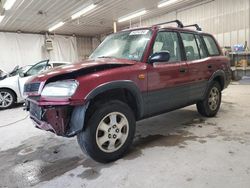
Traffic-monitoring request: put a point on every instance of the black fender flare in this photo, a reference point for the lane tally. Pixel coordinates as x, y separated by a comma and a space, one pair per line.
120, 84
77, 120
218, 73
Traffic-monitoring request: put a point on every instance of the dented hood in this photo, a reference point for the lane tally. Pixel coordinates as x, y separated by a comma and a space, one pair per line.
85, 67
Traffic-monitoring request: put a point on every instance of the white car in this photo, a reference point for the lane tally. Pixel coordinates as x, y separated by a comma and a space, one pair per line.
11, 87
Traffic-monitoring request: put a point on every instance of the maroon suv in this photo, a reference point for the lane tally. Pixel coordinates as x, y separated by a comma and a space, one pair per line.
132, 75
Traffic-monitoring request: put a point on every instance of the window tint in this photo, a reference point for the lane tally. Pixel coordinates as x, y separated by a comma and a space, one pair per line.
211, 45
201, 46
190, 45
168, 42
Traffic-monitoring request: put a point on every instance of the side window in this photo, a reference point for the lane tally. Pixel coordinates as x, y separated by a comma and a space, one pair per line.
211, 45
168, 42
201, 46
190, 45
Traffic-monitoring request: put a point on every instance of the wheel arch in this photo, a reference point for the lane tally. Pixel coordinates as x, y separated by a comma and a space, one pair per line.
104, 91
126, 90
220, 77
6, 88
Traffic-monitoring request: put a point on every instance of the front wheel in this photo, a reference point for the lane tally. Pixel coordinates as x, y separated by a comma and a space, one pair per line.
109, 132
211, 104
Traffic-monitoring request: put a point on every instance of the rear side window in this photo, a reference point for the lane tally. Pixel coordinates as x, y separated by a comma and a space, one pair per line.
168, 42
211, 45
190, 46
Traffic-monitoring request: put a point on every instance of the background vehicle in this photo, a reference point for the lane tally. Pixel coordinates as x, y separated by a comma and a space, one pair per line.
11, 86
132, 75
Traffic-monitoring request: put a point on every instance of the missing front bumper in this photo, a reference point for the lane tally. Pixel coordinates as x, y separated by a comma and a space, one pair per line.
64, 121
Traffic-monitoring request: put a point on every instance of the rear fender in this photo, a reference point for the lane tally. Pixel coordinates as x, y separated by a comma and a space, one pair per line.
218, 74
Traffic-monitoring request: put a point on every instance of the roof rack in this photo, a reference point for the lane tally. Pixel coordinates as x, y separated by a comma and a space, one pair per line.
179, 23
198, 28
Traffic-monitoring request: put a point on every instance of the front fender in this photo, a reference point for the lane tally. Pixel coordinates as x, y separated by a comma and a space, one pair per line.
120, 84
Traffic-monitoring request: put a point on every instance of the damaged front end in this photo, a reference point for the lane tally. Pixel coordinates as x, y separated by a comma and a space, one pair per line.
63, 120
52, 109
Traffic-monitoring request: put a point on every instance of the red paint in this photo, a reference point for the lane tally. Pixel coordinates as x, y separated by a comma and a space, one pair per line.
157, 76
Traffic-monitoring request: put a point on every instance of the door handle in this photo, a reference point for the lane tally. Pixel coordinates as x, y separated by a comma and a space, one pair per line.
183, 70
209, 66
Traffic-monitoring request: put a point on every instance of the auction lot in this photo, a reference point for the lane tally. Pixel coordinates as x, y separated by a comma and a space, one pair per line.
85, 86
178, 149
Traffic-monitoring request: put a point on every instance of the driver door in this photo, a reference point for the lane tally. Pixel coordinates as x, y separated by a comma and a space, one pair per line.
166, 80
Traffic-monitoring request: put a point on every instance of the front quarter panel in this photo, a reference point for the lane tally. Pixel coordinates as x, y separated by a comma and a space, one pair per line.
129, 73
12, 83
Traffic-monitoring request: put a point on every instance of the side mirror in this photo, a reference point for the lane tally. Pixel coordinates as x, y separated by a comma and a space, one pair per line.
159, 57
21, 74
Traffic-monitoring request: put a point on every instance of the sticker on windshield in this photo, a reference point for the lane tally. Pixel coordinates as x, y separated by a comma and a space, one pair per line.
139, 32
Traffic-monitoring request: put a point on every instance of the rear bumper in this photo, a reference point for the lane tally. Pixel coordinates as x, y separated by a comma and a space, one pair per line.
64, 121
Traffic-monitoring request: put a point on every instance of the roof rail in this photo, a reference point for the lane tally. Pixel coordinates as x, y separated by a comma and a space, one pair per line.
179, 23
198, 28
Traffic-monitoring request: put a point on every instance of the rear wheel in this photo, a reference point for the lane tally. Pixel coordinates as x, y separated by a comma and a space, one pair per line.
109, 132
7, 99
211, 104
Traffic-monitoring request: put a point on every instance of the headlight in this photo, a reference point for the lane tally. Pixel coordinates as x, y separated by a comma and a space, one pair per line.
64, 88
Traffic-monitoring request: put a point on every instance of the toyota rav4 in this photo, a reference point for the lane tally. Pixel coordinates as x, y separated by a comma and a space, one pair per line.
134, 74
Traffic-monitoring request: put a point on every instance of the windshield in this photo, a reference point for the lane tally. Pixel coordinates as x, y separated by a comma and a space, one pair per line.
125, 45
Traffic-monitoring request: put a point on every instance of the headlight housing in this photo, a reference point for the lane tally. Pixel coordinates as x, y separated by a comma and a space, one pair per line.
62, 89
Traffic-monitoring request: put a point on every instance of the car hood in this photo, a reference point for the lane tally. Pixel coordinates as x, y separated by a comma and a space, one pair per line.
83, 68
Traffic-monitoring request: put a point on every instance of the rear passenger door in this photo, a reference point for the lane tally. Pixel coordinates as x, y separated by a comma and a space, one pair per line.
214, 54
166, 80
196, 59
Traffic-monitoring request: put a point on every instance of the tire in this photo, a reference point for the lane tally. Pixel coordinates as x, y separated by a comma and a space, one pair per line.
210, 106
109, 132
7, 99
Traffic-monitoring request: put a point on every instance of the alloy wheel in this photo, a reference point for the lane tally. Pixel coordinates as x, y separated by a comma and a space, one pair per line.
214, 98
112, 132
6, 99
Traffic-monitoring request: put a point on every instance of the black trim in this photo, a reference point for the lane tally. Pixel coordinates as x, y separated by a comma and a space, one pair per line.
217, 74
76, 124
168, 99
204, 45
198, 28
178, 22
121, 84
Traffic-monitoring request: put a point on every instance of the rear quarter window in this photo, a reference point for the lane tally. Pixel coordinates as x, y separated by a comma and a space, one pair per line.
211, 45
